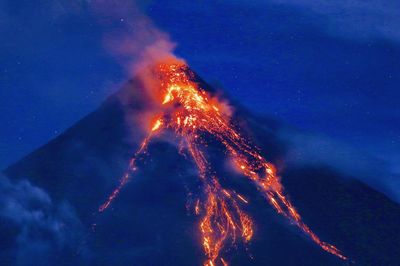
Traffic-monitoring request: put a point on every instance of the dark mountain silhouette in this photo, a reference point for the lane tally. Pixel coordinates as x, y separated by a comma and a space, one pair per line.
148, 223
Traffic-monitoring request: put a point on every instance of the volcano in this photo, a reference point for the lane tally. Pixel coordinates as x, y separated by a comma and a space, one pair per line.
152, 216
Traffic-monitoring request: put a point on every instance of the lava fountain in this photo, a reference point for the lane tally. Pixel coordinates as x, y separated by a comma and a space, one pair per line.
193, 114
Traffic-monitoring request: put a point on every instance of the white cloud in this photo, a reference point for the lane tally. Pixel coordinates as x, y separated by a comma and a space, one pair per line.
319, 150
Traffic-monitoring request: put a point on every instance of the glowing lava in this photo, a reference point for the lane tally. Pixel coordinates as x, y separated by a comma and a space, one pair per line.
195, 116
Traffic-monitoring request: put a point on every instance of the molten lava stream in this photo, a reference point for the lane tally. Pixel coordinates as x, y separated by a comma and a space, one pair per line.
192, 114
126, 177
223, 219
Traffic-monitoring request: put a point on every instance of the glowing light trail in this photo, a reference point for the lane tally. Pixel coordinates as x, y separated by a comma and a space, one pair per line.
194, 116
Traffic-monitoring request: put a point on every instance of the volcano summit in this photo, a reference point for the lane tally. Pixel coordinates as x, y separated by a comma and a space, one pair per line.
197, 119
193, 150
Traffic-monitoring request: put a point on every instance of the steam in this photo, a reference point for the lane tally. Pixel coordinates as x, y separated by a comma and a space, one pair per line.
132, 37
137, 44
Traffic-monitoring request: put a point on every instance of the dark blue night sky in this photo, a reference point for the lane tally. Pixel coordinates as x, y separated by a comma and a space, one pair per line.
320, 85
332, 69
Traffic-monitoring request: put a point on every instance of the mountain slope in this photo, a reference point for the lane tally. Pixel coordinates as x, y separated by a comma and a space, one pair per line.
148, 224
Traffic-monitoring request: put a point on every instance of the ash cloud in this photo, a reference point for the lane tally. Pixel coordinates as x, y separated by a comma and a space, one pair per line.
34, 228
132, 37
137, 44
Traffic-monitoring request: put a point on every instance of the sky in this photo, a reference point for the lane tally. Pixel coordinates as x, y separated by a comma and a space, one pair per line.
329, 68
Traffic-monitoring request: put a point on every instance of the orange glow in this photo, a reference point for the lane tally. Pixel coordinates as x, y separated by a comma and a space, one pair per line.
197, 207
125, 178
156, 125
242, 198
223, 220
191, 112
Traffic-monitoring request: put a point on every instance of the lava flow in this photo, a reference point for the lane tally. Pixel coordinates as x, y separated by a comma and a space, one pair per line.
195, 116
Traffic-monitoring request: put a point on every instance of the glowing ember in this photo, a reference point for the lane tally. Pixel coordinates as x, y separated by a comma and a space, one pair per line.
193, 114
